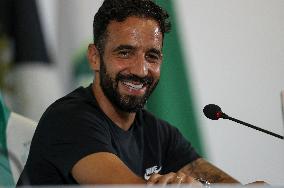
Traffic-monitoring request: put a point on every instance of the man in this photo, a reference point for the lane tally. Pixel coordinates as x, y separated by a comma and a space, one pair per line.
102, 134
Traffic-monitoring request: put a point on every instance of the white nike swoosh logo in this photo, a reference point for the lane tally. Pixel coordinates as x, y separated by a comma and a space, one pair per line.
146, 177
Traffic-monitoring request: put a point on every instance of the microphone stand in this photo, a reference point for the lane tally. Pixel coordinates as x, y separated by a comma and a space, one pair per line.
225, 116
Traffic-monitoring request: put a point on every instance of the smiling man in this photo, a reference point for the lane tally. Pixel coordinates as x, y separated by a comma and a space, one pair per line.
130, 66
101, 134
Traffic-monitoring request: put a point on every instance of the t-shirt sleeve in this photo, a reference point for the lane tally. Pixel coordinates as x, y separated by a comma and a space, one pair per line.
178, 152
70, 135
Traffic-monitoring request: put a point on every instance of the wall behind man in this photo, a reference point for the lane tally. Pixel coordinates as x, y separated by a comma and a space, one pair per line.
234, 54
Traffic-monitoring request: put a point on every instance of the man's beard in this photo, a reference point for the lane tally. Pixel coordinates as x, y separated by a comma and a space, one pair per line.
126, 103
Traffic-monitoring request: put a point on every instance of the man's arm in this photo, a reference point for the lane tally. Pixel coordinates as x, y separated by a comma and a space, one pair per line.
104, 168
202, 169
107, 168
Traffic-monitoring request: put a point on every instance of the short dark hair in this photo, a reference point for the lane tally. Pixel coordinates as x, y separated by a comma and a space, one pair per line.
120, 10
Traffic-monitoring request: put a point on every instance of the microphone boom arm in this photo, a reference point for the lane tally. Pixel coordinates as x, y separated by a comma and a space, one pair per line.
225, 116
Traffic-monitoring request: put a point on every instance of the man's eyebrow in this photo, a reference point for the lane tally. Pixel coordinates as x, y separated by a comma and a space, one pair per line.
123, 47
157, 51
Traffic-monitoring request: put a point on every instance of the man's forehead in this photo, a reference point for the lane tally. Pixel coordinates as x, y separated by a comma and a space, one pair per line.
134, 28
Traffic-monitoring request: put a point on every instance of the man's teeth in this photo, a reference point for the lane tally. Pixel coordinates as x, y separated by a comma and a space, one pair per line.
133, 86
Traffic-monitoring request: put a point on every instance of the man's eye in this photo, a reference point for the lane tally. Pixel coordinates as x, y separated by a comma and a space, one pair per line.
153, 57
124, 53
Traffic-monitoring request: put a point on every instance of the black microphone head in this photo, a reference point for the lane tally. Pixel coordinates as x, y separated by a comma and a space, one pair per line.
212, 111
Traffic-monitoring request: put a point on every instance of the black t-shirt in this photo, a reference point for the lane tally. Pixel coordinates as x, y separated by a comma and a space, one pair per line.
74, 127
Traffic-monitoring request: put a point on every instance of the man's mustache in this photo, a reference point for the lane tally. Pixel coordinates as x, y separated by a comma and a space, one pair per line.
147, 80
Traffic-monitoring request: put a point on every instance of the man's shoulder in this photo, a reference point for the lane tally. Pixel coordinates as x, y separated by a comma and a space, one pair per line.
74, 112
76, 96
79, 97
78, 103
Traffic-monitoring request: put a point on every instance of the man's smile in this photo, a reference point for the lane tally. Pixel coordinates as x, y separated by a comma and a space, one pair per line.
134, 88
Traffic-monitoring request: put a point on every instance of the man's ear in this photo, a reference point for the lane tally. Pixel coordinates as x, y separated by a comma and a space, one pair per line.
93, 57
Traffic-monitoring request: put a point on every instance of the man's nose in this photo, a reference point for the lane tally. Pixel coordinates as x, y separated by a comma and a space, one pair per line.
139, 67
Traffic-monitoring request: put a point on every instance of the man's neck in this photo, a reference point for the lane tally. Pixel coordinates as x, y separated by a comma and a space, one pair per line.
122, 119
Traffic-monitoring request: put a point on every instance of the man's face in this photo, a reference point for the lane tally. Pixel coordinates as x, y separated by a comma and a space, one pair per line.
130, 65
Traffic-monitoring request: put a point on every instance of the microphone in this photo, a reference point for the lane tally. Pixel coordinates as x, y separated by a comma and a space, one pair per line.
214, 112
